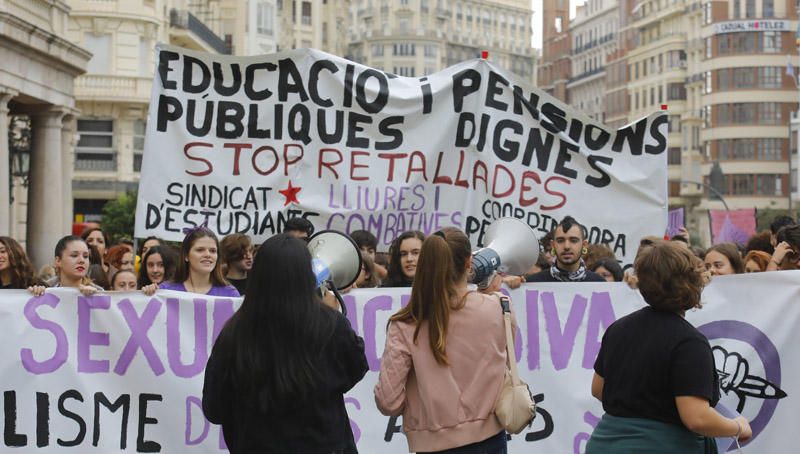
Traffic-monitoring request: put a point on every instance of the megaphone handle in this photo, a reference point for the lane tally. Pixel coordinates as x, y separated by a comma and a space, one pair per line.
338, 298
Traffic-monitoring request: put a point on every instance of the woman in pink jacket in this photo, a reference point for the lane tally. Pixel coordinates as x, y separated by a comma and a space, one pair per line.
444, 360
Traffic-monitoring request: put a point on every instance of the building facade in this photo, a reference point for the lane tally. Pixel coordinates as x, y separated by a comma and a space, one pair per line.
417, 37
594, 33
114, 95
719, 70
37, 84
555, 68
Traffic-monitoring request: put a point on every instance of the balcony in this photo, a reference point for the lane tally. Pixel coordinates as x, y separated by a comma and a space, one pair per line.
188, 31
586, 75
98, 87
95, 162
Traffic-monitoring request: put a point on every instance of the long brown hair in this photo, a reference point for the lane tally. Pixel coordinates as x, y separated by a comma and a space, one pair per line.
182, 271
22, 273
442, 264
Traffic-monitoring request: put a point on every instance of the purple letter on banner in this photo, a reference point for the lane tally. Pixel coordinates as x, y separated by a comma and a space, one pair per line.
192, 401
601, 316
139, 327
174, 338
383, 303
532, 309
87, 337
562, 342
62, 350
223, 311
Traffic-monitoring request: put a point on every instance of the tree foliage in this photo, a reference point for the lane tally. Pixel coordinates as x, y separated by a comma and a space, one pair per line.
119, 216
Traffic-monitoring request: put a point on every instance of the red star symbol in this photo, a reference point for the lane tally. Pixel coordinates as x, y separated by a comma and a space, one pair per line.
291, 194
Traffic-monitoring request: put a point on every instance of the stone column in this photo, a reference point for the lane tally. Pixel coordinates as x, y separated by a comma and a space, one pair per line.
5, 174
68, 132
45, 199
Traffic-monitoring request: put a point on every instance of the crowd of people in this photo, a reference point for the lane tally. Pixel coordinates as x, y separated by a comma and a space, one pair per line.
655, 373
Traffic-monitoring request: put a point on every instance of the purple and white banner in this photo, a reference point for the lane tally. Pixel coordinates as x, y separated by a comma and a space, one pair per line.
121, 372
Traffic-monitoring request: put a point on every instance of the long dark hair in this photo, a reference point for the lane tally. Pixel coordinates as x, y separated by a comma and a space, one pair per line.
281, 328
182, 270
442, 264
167, 258
22, 273
394, 275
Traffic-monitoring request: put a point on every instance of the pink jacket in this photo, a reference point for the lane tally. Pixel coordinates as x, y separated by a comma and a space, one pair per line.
444, 407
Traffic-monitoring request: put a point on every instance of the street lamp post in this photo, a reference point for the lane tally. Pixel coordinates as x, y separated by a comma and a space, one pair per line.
716, 193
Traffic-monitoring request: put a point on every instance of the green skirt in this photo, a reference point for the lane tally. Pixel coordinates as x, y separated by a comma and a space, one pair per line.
618, 435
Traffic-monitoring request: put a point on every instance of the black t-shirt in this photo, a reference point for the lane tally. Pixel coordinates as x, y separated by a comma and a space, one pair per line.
545, 276
240, 284
648, 358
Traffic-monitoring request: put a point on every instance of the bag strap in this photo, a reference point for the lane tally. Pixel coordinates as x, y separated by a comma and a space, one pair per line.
511, 359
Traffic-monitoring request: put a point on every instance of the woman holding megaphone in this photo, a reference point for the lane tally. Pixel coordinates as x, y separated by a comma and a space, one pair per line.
280, 367
435, 345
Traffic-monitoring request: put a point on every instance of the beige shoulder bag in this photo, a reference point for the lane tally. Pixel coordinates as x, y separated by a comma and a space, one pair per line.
515, 408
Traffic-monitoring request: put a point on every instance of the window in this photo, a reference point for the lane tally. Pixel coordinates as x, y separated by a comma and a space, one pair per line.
265, 18
750, 9
145, 68
405, 49
377, 50
407, 71
431, 50
100, 47
769, 113
771, 42
674, 124
770, 77
737, 9
139, 128
306, 13
769, 8
94, 150
673, 156
676, 91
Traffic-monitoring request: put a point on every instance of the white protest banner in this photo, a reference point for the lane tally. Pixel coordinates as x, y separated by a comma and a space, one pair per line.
123, 372
244, 143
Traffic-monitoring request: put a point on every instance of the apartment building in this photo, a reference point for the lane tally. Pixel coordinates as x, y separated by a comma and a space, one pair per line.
114, 94
418, 37
594, 36
555, 67
748, 99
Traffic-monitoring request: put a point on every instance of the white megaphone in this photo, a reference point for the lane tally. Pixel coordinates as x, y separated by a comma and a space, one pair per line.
511, 248
335, 258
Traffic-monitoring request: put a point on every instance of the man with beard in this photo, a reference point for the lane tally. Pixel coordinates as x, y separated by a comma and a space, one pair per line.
237, 253
568, 247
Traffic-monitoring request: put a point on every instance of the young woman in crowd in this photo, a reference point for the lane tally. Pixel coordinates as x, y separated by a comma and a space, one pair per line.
124, 280
149, 242
367, 278
404, 253
237, 253
119, 258
72, 265
787, 249
724, 258
96, 272
609, 269
756, 261
159, 266
434, 346
299, 406
199, 269
658, 396
96, 237
16, 270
